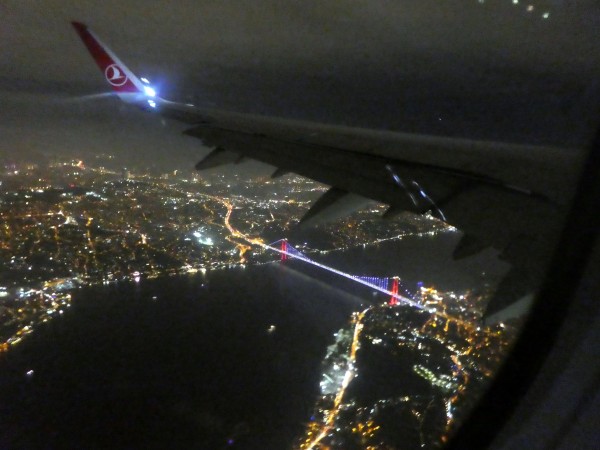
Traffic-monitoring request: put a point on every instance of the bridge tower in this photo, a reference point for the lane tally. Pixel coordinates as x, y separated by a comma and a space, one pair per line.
393, 299
284, 249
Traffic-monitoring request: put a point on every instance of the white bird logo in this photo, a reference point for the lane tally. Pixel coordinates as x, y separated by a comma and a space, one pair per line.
115, 76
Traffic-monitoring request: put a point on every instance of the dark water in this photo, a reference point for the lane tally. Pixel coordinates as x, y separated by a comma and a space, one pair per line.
187, 362
420, 258
193, 368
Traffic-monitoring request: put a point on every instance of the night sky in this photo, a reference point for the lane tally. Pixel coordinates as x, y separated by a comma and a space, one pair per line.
488, 70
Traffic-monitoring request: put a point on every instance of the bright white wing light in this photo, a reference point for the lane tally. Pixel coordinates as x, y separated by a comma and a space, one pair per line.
149, 91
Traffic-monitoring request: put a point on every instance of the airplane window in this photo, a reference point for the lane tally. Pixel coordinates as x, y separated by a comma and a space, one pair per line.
278, 225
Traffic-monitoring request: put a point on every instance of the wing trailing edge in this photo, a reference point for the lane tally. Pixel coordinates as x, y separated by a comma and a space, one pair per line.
333, 204
279, 172
218, 157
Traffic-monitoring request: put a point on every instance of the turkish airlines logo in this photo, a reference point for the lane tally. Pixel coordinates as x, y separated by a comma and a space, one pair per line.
115, 76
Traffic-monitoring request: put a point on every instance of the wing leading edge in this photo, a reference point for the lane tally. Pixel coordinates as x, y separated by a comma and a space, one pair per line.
507, 196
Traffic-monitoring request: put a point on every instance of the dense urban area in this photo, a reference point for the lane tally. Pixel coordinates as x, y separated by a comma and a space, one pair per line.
394, 373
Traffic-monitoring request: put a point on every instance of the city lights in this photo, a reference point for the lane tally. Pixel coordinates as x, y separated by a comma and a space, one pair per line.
93, 225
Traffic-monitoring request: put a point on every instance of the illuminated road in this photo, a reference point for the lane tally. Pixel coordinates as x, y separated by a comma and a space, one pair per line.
348, 377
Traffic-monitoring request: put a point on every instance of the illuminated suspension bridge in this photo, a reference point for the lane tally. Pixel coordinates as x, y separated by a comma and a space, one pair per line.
287, 251
386, 285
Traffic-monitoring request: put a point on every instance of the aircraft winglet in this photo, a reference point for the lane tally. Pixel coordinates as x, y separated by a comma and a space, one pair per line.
122, 80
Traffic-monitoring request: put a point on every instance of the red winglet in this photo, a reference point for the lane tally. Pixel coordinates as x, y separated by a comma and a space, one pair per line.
121, 79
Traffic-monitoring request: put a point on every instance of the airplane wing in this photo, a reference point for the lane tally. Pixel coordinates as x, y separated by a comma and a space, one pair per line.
508, 196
